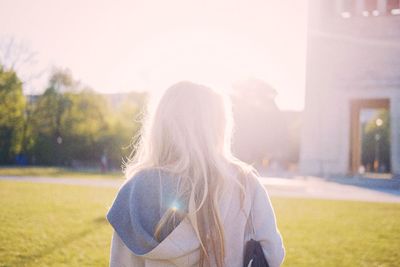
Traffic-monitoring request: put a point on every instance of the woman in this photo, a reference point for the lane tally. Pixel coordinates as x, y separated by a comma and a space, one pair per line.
188, 200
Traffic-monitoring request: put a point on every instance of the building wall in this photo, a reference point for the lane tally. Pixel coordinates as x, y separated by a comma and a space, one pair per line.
347, 58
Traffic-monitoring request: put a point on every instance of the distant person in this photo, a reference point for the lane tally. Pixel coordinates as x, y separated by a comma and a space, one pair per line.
187, 200
104, 163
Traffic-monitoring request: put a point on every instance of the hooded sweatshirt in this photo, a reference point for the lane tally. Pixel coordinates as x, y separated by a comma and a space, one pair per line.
142, 201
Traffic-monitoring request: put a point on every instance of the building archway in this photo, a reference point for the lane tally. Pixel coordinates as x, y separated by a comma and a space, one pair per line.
366, 155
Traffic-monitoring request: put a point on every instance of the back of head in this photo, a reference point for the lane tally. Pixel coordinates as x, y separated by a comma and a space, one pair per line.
188, 133
189, 123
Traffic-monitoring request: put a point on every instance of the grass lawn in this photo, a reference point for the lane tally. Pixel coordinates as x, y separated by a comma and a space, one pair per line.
339, 233
61, 225
58, 172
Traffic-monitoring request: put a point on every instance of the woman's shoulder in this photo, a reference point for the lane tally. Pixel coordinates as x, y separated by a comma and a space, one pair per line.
141, 188
134, 185
253, 181
147, 183
144, 177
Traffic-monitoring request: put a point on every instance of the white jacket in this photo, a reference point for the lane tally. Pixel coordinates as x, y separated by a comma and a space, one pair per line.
181, 246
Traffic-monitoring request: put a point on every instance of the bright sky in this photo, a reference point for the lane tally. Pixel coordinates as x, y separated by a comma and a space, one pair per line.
116, 46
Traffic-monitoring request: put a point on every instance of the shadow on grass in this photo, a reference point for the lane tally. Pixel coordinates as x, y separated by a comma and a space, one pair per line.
58, 244
100, 220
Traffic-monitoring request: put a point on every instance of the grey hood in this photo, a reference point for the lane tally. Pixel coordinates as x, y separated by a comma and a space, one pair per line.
137, 209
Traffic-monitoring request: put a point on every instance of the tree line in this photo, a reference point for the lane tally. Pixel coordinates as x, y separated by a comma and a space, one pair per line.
68, 125
71, 125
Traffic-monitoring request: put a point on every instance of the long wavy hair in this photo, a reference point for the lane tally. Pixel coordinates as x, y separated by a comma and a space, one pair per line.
188, 132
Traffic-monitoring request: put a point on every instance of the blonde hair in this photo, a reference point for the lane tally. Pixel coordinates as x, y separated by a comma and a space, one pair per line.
189, 133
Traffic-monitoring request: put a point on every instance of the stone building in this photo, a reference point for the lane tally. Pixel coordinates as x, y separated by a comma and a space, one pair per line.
353, 63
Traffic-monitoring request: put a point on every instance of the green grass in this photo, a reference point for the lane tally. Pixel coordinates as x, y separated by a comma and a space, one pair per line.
53, 225
57, 172
339, 233
60, 225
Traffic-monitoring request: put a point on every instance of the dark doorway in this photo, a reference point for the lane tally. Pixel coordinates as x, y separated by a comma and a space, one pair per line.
370, 138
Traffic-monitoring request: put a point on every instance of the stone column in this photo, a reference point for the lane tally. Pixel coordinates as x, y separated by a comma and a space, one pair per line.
395, 135
338, 7
382, 6
360, 7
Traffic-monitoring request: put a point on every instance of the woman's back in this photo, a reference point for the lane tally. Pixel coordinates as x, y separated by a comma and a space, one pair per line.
142, 201
188, 197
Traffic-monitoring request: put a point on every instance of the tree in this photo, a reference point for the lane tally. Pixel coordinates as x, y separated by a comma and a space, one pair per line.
124, 122
12, 106
84, 125
259, 128
17, 56
47, 118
